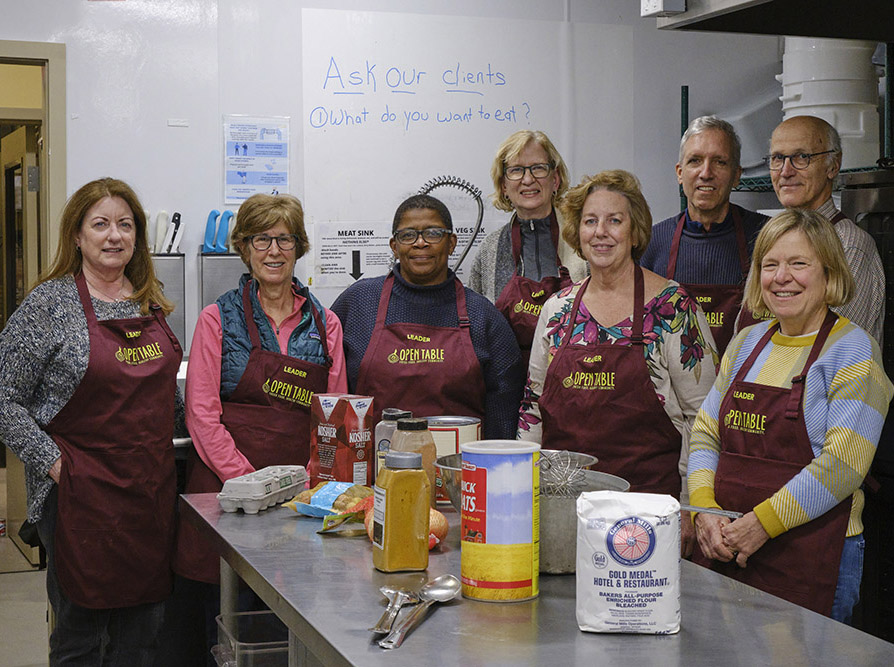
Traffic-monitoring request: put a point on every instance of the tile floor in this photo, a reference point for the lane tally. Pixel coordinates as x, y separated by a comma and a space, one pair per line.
23, 603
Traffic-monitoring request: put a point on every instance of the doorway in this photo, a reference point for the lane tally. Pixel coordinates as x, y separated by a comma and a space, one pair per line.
32, 195
21, 261
32, 163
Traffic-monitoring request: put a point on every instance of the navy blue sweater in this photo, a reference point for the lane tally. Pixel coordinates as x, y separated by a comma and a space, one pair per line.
705, 258
435, 305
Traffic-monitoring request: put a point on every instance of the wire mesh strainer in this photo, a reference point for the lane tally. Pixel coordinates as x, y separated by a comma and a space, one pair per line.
562, 472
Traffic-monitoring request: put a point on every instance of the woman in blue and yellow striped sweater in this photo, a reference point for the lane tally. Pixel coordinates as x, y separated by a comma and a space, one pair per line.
789, 430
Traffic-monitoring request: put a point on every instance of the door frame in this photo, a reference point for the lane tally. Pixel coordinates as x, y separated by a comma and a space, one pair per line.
19, 150
52, 148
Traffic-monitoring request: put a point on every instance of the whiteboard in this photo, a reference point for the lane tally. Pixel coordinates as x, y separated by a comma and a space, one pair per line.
393, 100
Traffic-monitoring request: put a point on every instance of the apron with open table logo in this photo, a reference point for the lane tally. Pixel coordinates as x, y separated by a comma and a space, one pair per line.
117, 488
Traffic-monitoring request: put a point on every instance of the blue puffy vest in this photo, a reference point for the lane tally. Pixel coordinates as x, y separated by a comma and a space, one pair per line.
304, 343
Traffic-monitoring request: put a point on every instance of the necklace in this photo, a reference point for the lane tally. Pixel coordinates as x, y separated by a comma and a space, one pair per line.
114, 299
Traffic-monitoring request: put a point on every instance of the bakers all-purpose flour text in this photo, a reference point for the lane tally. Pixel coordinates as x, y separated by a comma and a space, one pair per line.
628, 563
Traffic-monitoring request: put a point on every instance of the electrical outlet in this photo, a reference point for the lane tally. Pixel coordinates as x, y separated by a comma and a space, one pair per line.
661, 7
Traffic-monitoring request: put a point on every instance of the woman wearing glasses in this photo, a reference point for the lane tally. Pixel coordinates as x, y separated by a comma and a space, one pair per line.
417, 339
519, 266
269, 328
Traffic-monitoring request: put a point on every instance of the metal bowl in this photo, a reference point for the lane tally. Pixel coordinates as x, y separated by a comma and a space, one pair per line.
450, 467
581, 459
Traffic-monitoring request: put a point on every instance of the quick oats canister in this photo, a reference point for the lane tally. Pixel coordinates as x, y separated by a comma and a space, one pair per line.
449, 432
500, 529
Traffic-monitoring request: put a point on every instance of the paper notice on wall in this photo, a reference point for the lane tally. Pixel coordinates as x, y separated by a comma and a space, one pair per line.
348, 251
345, 252
256, 156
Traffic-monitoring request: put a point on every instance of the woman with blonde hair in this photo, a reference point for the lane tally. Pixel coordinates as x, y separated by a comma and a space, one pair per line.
788, 432
621, 361
87, 402
520, 265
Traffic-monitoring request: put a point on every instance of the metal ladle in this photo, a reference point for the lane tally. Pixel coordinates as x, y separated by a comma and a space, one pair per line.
397, 597
440, 589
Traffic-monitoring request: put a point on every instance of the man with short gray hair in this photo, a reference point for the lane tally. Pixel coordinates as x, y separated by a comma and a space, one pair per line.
804, 161
707, 247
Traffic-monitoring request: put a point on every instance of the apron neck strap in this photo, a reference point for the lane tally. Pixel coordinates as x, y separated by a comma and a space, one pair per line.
838, 218
84, 295
252, 326
749, 362
741, 244
515, 234
793, 408
384, 300
462, 311
321, 329
636, 333
249, 312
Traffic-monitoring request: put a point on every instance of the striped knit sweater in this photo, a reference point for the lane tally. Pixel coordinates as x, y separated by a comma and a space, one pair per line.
705, 258
845, 402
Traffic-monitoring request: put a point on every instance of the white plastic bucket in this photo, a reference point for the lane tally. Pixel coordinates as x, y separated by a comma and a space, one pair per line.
834, 79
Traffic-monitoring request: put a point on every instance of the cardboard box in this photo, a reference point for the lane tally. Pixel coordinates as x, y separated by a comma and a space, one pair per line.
341, 439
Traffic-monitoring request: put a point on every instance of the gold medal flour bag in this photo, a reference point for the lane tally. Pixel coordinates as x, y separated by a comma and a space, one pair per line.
628, 562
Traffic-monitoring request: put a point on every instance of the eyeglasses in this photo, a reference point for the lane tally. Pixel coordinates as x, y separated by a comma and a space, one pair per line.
516, 173
264, 241
429, 235
776, 161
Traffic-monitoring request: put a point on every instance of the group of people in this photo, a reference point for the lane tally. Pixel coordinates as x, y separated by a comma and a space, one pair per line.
716, 356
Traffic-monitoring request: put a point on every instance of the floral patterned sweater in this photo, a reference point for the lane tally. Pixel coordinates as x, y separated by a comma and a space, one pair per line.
679, 353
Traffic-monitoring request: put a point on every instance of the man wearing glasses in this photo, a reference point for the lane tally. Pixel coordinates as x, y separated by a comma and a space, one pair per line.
804, 160
707, 247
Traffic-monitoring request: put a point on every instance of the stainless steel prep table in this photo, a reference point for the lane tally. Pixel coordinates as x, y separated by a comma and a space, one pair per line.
326, 590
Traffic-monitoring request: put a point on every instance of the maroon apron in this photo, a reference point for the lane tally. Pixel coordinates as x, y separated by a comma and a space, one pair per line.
117, 489
425, 369
764, 444
268, 416
720, 303
522, 298
598, 399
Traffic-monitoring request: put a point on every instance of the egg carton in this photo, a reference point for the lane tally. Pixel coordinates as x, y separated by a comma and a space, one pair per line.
261, 489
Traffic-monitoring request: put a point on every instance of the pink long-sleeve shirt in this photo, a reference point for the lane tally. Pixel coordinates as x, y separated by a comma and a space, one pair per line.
212, 441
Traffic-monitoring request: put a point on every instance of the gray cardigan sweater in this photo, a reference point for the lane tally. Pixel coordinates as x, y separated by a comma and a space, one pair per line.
493, 267
44, 350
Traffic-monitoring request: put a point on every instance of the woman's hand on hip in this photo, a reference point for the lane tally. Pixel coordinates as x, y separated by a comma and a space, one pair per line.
55, 470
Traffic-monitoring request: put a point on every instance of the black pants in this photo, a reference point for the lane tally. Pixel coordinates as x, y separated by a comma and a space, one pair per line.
126, 636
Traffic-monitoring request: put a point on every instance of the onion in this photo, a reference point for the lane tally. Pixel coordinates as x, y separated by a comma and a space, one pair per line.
437, 524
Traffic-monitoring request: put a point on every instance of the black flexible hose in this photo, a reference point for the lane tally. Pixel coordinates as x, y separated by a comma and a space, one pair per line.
473, 191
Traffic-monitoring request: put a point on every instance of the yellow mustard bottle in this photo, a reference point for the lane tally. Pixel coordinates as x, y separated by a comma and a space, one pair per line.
412, 435
401, 514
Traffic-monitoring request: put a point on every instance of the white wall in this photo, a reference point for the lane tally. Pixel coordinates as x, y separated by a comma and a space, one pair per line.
133, 65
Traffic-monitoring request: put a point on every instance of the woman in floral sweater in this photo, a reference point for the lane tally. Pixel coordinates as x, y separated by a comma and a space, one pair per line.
621, 361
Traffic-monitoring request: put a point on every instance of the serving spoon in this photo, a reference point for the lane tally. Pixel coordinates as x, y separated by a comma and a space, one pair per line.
440, 589
397, 597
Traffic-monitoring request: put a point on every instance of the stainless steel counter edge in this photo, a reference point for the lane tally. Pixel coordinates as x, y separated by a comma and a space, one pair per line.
326, 591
